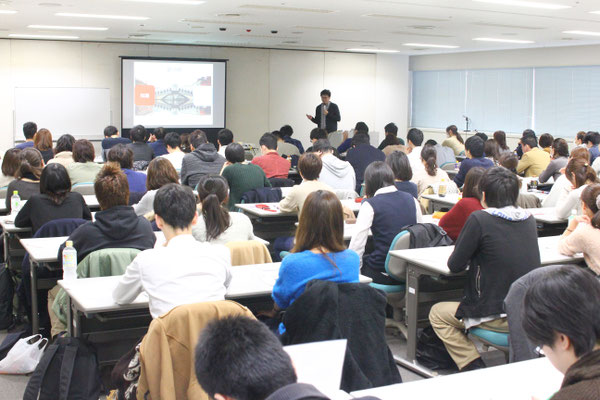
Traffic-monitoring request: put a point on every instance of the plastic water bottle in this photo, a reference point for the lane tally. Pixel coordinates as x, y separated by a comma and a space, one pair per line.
15, 203
69, 258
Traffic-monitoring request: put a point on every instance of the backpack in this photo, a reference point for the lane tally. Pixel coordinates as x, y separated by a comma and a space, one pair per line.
7, 291
68, 370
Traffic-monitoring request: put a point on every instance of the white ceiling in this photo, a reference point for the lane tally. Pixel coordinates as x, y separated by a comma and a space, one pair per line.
313, 24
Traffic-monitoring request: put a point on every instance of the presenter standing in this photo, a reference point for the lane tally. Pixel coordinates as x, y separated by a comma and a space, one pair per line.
327, 113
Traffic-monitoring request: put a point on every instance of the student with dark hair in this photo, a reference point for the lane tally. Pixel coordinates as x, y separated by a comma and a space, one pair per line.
270, 161
285, 149
560, 156
84, 169
562, 186
63, 152
197, 272
336, 173
309, 168
560, 314
10, 165
224, 139
474, 148
454, 220
319, 251
216, 224
174, 153
429, 174
286, 133
509, 161
546, 141
42, 140
526, 133
158, 142
580, 174
500, 139
490, 150
534, 160
483, 244
327, 114
140, 148
391, 137
55, 201
123, 156
203, 160
112, 137
579, 139
454, 141
398, 162
360, 127
414, 140
27, 176
482, 136
316, 134
160, 172
385, 211
361, 155
29, 130
592, 140
241, 177
185, 145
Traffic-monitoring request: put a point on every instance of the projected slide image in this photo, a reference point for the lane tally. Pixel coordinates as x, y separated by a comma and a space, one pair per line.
172, 94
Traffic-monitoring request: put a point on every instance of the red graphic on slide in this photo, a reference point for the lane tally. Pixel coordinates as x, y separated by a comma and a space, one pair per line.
144, 95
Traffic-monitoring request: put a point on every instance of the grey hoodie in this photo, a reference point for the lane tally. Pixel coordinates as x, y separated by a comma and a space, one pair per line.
337, 173
203, 161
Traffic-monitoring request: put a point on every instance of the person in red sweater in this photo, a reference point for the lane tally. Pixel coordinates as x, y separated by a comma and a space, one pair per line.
271, 162
455, 219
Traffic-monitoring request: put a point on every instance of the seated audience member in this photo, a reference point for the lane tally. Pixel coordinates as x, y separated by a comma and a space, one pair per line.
454, 220
216, 224
116, 225
238, 358
63, 152
158, 142
55, 201
562, 186
203, 160
123, 156
83, 169
391, 137
141, 150
414, 139
483, 244
224, 139
270, 161
482, 135
579, 139
319, 251
241, 177
196, 272
560, 314
474, 149
10, 165
309, 168
29, 130
42, 140
580, 174
500, 139
526, 133
336, 173
583, 233
525, 200
160, 172
287, 132
316, 134
385, 211
185, 145
430, 174
534, 160
285, 149
112, 138
545, 142
592, 140
490, 150
398, 162
560, 156
454, 141
27, 177
174, 153
360, 127
361, 155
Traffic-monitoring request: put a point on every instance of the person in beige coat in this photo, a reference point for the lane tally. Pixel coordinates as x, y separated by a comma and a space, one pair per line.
309, 167
63, 152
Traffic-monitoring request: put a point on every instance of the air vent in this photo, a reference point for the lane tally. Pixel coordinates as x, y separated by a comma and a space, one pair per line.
405, 17
302, 47
290, 42
208, 21
421, 34
138, 35
264, 36
136, 39
287, 9
329, 29
228, 15
532, 28
173, 32
40, 4
422, 27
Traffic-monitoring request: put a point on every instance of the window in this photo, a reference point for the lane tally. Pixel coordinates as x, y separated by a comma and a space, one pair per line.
438, 98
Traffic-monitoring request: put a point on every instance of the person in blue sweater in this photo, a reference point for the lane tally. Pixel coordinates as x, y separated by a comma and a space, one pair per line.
592, 140
474, 148
123, 156
319, 251
360, 127
158, 145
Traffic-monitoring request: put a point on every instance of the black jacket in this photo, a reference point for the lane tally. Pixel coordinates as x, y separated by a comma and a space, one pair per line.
302, 391
360, 157
353, 311
331, 119
40, 209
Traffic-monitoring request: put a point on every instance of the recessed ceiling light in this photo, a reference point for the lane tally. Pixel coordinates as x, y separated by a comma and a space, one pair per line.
530, 4
25, 36
8, 12
68, 28
373, 50
433, 46
101, 16
504, 40
585, 33
177, 2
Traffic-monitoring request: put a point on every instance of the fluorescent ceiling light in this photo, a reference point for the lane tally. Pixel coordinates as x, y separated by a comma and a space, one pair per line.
484, 39
25, 36
100, 16
433, 46
586, 33
591, 12
373, 50
68, 28
178, 2
530, 4
7, 12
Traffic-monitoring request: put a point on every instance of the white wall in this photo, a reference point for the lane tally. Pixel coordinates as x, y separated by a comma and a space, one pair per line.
265, 88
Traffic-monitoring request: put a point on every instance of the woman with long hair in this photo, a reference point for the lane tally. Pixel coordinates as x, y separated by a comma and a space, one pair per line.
27, 182
580, 174
500, 139
454, 140
431, 174
398, 162
42, 140
560, 157
159, 173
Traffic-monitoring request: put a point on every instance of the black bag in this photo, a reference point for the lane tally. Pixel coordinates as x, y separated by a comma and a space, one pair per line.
7, 291
432, 353
68, 370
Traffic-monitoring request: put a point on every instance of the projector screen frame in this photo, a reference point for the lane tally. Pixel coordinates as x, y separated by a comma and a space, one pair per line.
212, 132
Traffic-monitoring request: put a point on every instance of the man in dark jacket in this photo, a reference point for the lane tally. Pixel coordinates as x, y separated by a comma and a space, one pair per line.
117, 225
327, 114
203, 160
361, 155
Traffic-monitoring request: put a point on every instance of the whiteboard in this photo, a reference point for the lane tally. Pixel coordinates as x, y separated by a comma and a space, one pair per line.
81, 112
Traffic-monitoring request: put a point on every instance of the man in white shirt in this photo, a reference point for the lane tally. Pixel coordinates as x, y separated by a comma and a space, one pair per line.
175, 155
414, 140
224, 138
183, 270
336, 173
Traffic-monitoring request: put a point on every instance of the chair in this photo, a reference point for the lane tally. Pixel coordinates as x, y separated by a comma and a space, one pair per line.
262, 195
449, 166
248, 252
84, 189
489, 338
281, 182
167, 351
335, 139
135, 197
345, 194
287, 149
3, 191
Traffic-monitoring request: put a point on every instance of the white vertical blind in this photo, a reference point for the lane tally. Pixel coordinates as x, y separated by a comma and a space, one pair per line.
438, 98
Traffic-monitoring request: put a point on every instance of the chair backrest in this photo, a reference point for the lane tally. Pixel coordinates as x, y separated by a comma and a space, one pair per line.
335, 139
396, 267
3, 191
106, 262
449, 166
262, 195
140, 165
287, 149
345, 194
135, 197
84, 188
281, 182
248, 252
